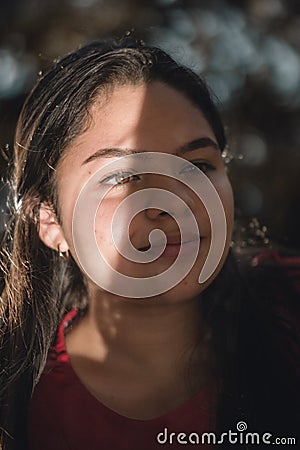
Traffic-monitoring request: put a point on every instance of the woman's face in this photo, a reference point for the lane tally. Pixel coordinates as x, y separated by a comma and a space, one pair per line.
144, 118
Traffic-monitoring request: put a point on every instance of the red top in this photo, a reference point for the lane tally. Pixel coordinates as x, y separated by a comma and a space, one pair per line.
65, 415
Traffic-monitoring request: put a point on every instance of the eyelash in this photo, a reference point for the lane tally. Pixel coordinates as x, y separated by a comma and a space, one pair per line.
126, 177
202, 165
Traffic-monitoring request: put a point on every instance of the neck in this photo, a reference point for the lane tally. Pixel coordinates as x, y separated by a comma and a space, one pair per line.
149, 332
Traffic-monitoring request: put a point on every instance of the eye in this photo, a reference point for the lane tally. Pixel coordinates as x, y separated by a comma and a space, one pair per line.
204, 166
120, 178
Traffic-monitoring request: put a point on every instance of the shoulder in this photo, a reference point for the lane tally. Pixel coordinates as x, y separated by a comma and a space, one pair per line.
53, 393
58, 354
272, 277
270, 339
58, 373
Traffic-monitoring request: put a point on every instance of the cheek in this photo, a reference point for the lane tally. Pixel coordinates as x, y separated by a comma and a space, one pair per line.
225, 192
103, 224
111, 231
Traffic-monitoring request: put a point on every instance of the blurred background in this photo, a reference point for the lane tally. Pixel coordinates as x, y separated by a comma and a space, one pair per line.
247, 50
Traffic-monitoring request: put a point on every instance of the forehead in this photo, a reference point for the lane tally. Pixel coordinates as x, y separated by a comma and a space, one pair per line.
154, 117
144, 106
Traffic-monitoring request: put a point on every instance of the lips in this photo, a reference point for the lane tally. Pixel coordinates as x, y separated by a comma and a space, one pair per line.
172, 240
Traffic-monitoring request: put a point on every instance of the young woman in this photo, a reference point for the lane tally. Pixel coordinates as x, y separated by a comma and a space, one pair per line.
133, 371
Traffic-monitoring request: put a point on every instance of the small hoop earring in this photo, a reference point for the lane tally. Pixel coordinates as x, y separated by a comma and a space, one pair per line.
64, 255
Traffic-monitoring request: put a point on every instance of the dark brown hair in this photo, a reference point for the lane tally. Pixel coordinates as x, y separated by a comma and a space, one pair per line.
40, 286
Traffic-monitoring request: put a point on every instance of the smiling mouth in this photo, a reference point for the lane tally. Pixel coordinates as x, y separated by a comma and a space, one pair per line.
173, 248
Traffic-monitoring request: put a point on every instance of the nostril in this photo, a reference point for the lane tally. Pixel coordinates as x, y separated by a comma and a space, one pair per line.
144, 249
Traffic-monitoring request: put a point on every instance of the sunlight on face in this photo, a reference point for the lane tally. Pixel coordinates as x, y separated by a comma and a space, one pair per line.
145, 118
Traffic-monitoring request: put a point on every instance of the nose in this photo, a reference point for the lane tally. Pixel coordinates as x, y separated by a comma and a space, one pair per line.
170, 197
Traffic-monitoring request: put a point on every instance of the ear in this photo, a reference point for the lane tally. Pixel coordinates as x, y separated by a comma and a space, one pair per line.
50, 232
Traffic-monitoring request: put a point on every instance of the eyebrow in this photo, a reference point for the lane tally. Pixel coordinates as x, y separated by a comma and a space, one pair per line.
119, 152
